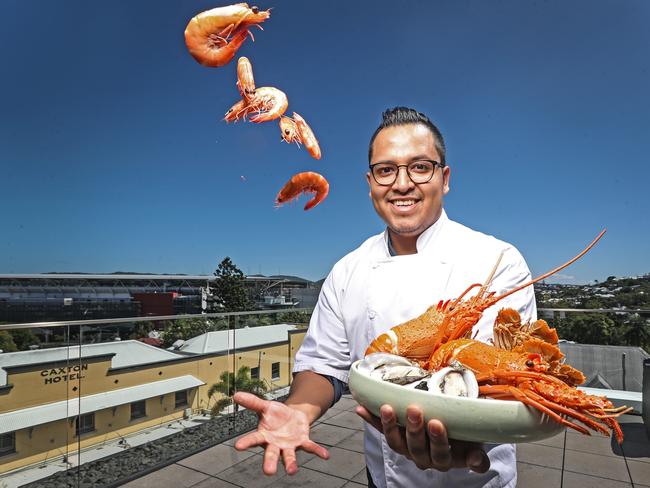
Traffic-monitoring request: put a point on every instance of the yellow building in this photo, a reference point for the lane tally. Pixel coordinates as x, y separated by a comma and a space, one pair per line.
55, 400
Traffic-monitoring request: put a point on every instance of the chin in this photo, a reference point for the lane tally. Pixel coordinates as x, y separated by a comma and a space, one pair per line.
406, 230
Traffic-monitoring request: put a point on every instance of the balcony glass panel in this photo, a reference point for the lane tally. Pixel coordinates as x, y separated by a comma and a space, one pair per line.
75, 393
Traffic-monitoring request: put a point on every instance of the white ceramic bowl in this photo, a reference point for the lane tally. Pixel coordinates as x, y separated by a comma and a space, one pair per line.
468, 419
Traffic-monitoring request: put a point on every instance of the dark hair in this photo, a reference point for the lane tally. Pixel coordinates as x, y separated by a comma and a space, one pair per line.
403, 116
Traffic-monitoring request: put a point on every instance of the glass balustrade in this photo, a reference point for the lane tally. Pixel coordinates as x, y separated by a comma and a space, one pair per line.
80, 393
77, 398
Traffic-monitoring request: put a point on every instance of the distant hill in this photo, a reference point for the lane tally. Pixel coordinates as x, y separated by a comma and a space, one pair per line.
626, 292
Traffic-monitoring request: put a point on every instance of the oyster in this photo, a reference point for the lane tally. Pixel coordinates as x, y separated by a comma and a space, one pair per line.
399, 373
454, 380
377, 359
392, 368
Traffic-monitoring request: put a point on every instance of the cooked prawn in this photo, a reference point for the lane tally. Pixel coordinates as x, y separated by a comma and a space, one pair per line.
269, 103
296, 130
307, 136
245, 79
289, 130
214, 36
236, 112
307, 182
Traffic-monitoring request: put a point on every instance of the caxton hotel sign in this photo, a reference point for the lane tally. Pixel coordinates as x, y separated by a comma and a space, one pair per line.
63, 374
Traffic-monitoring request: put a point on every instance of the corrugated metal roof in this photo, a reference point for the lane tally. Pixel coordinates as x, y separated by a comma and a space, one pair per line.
127, 353
224, 340
607, 362
42, 414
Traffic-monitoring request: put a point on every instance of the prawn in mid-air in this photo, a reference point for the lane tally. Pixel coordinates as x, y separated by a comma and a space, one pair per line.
307, 182
296, 130
245, 79
214, 36
268, 103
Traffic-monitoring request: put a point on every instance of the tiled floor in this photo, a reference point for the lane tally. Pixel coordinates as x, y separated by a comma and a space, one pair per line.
569, 460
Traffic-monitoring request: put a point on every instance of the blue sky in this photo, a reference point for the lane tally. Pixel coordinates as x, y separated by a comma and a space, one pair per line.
114, 156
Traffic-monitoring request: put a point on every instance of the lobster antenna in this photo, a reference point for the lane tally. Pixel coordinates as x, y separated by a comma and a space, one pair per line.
559, 268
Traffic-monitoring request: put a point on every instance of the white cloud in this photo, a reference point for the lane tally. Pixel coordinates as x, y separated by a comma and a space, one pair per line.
563, 277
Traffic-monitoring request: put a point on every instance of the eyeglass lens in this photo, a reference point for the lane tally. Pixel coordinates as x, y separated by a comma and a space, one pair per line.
418, 171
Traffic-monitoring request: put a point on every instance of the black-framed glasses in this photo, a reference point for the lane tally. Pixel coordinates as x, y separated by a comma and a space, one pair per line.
420, 171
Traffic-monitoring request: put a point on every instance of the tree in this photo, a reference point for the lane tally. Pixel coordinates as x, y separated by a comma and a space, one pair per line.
185, 329
141, 329
7, 343
230, 288
294, 317
230, 384
637, 331
23, 338
587, 328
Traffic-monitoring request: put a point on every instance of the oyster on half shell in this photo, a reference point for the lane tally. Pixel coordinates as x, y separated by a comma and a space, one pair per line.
454, 380
392, 368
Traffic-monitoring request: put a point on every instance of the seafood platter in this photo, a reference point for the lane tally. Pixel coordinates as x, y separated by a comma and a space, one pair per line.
449, 395
517, 388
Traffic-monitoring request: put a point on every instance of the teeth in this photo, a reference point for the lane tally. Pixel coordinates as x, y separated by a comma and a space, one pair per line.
404, 203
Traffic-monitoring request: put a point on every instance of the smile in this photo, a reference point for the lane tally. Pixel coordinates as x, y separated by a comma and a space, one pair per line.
404, 204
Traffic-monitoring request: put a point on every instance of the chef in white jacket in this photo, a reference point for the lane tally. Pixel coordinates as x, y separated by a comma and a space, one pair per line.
421, 258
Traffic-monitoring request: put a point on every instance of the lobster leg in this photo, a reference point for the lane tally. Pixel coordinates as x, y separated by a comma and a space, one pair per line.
569, 411
522, 397
539, 400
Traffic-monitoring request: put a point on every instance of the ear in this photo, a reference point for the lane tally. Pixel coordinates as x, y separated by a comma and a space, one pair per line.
446, 176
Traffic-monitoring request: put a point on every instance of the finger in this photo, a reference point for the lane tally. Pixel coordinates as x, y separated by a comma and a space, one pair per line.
320, 451
250, 401
439, 445
271, 458
394, 435
290, 463
368, 417
416, 438
250, 440
471, 455
477, 460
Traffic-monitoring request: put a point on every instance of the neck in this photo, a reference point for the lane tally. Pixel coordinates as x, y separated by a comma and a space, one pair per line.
403, 244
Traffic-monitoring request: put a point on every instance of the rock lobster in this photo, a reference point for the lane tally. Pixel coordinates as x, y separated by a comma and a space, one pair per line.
523, 363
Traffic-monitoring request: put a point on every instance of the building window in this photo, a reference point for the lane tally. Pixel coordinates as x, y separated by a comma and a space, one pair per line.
275, 371
181, 399
255, 373
138, 409
7, 443
85, 424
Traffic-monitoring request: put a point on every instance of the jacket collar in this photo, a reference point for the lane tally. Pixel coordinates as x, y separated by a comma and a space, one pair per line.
431, 240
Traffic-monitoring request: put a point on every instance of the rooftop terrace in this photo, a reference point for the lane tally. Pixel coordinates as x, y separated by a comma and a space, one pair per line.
569, 459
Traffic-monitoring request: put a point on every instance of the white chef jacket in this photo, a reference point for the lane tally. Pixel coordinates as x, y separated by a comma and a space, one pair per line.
369, 291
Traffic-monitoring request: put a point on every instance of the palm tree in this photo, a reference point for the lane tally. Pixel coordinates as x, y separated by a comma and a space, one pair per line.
230, 384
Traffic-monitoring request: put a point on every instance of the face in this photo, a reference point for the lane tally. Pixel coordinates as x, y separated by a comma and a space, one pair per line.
407, 208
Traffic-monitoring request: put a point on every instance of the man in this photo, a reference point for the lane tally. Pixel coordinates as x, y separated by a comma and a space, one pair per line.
421, 258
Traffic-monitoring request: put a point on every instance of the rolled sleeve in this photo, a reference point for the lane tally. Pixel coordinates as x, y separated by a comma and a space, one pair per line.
325, 348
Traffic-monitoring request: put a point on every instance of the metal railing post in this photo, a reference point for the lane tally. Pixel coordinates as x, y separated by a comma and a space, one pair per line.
645, 399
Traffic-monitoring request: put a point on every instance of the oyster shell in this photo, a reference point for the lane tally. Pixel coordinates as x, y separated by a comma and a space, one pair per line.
377, 359
399, 373
392, 368
454, 380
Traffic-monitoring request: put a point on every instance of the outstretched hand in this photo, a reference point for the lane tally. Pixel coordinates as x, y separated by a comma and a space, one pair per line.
281, 431
426, 445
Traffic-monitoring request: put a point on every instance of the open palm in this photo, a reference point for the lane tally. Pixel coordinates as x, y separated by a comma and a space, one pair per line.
281, 430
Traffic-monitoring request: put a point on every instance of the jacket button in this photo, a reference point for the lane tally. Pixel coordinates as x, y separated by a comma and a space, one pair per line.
371, 314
